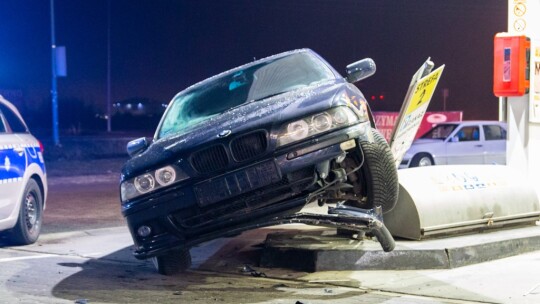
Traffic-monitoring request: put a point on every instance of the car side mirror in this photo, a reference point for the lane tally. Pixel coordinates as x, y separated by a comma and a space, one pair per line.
136, 146
454, 139
360, 70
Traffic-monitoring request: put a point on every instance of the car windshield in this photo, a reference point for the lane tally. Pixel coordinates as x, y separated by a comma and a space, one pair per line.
440, 131
252, 83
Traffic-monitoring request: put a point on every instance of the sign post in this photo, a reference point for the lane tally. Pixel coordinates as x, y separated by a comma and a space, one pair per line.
414, 107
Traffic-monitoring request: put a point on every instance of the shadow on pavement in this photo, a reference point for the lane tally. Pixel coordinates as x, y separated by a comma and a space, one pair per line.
119, 278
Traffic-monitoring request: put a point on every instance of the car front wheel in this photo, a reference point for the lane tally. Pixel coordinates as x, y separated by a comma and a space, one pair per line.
376, 182
173, 262
28, 226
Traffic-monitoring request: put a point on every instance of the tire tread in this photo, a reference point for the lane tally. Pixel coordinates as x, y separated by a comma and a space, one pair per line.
383, 173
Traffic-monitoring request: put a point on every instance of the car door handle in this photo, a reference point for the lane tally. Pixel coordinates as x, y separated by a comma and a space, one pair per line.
479, 146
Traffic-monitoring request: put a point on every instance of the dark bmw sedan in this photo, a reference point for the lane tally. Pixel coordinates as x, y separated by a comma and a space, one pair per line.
251, 147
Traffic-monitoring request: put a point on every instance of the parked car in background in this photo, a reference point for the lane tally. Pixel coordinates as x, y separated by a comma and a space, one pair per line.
251, 147
23, 180
464, 142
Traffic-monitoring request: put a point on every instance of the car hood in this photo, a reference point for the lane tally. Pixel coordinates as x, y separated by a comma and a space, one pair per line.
251, 116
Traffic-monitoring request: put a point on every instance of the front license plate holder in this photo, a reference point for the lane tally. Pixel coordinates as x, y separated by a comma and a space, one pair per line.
229, 185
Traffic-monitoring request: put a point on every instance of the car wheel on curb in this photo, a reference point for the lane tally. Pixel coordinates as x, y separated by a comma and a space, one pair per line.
422, 160
28, 226
173, 262
379, 173
377, 180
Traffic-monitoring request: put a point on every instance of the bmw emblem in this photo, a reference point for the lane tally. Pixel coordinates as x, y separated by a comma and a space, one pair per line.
224, 133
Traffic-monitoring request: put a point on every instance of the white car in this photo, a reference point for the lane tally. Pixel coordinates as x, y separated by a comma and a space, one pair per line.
464, 142
23, 181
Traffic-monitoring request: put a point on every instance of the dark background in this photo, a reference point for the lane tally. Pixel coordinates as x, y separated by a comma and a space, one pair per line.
160, 47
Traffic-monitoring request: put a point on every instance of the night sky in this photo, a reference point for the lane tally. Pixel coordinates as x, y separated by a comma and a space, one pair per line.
160, 47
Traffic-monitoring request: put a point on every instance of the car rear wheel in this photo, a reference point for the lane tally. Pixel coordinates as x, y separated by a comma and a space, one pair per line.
28, 226
172, 262
422, 160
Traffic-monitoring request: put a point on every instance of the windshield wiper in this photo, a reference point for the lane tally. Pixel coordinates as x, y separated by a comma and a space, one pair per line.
270, 95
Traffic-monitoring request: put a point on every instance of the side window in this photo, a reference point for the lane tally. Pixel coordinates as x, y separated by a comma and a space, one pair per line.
494, 132
471, 133
16, 125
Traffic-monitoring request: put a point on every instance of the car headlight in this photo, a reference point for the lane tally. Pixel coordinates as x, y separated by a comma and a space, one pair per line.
151, 181
297, 130
144, 183
315, 124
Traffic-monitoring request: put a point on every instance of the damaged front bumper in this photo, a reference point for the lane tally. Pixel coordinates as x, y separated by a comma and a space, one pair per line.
350, 218
367, 221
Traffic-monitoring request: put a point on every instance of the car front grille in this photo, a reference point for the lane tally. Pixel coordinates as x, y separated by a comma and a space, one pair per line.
249, 146
218, 157
211, 159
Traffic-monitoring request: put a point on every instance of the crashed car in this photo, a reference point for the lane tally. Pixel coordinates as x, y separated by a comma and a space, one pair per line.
251, 147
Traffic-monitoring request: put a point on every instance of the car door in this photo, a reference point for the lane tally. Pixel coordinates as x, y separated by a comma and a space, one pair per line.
494, 144
465, 146
12, 161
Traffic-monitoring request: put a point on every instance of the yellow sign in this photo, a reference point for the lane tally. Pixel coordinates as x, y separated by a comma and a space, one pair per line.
424, 90
414, 107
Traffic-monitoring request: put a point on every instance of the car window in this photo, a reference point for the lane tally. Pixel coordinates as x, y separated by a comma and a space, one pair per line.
232, 89
441, 131
470, 133
15, 124
494, 132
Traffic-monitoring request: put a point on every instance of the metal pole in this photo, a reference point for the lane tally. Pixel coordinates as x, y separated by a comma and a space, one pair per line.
54, 93
444, 103
446, 93
109, 66
502, 109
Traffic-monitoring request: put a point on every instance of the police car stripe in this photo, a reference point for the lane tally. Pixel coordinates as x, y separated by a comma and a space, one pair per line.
10, 180
6, 147
4, 179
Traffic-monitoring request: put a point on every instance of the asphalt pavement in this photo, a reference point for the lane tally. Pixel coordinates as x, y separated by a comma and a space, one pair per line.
227, 270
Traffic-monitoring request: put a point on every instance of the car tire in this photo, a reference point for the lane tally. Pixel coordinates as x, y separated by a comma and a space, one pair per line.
172, 262
378, 174
28, 226
422, 160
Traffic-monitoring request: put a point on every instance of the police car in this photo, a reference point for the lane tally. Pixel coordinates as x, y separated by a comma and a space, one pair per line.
23, 181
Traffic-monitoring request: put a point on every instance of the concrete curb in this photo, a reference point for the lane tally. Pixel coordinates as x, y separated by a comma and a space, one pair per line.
316, 251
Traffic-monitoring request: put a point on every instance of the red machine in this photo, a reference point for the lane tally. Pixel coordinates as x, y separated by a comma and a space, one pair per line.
511, 65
